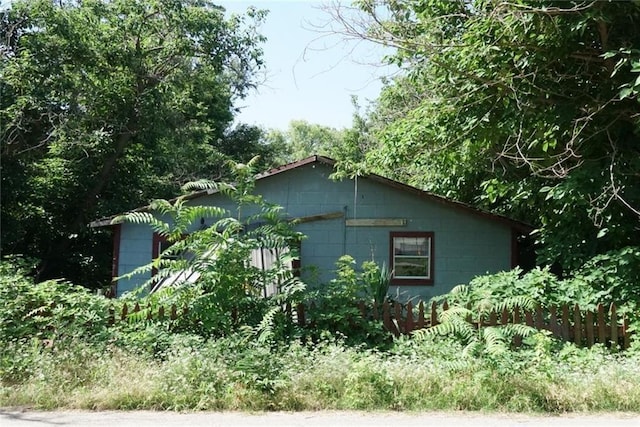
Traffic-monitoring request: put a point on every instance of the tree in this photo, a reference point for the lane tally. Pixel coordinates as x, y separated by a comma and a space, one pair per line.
106, 104
525, 107
303, 139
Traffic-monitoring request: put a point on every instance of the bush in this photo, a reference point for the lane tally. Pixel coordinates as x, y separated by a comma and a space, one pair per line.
49, 310
227, 292
333, 310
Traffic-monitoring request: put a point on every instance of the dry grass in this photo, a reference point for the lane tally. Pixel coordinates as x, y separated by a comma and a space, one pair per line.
228, 376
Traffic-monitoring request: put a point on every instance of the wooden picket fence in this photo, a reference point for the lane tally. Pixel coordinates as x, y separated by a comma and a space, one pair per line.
584, 328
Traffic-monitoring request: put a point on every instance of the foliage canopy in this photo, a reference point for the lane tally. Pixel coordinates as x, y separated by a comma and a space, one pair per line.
525, 107
106, 104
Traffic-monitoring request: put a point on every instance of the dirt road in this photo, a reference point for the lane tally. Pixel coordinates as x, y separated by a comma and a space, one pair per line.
15, 418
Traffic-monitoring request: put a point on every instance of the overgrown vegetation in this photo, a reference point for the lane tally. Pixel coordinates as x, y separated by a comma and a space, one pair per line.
146, 366
527, 108
206, 271
234, 348
58, 351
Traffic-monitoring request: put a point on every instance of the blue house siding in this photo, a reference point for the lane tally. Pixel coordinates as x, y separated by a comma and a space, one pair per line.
135, 251
466, 243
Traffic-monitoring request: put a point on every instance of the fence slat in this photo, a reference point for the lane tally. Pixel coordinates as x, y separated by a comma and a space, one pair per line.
539, 320
625, 332
528, 316
553, 322
397, 311
433, 318
493, 318
420, 324
517, 340
614, 327
602, 338
504, 316
301, 315
589, 327
363, 309
408, 324
386, 319
565, 323
577, 325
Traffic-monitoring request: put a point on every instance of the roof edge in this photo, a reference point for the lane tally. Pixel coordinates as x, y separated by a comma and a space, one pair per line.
519, 226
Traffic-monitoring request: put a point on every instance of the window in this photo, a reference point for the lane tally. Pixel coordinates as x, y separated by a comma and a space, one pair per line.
411, 258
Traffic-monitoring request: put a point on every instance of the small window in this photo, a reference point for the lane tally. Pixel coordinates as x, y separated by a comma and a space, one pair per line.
412, 258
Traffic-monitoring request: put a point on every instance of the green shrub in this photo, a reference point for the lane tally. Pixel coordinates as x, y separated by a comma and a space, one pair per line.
228, 293
333, 308
49, 310
605, 279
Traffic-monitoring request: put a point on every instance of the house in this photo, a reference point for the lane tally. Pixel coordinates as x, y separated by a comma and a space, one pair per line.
431, 243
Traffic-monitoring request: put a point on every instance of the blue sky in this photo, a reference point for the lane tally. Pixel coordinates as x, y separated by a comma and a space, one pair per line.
309, 76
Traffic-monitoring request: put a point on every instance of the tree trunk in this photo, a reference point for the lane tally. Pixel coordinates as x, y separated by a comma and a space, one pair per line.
86, 207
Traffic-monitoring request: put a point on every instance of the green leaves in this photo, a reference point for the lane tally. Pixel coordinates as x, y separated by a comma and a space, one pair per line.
49, 310
110, 104
500, 102
208, 269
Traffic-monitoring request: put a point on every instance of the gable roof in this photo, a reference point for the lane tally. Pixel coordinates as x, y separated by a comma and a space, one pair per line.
517, 225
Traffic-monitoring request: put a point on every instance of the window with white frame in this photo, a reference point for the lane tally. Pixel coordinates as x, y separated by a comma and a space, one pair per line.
411, 257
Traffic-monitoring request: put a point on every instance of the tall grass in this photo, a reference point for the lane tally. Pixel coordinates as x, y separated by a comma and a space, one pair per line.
57, 351
230, 374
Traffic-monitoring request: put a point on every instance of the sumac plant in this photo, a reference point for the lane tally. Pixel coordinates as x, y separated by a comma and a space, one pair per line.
207, 270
